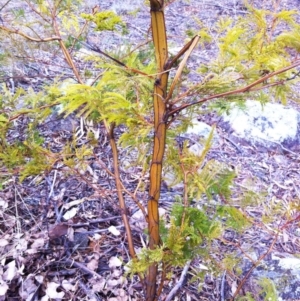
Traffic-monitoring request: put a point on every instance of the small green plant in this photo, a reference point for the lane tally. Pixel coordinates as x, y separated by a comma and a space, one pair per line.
268, 290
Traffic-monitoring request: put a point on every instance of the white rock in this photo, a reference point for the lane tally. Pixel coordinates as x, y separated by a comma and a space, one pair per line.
289, 263
138, 218
268, 125
200, 130
113, 230
114, 262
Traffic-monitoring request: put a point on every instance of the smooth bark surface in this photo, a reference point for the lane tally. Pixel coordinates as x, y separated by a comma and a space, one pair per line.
160, 91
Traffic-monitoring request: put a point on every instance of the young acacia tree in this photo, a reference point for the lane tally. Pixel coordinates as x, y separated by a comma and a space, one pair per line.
154, 109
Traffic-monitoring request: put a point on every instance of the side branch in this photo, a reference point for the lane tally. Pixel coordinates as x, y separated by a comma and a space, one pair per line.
16, 31
98, 50
119, 192
182, 51
188, 51
247, 88
66, 52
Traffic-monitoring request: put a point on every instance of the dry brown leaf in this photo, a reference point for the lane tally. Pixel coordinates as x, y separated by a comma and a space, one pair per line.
58, 230
38, 243
28, 288
3, 243
11, 271
114, 262
68, 286
3, 287
52, 292
93, 264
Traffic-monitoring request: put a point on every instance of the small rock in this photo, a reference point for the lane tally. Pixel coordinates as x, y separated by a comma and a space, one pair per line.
200, 130
270, 125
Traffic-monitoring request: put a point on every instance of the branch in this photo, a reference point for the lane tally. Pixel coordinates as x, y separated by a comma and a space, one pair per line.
66, 52
182, 51
179, 284
98, 50
188, 49
94, 11
247, 88
36, 11
17, 31
118, 182
254, 266
4, 4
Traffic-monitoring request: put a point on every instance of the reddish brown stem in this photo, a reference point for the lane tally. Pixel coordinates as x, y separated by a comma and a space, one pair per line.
122, 204
244, 89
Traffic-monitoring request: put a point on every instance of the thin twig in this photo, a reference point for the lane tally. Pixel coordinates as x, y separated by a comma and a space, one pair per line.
88, 292
4, 4
95, 221
98, 50
16, 31
254, 266
53, 183
234, 144
187, 50
66, 52
179, 284
94, 11
135, 48
36, 11
122, 204
223, 286
162, 280
134, 198
82, 267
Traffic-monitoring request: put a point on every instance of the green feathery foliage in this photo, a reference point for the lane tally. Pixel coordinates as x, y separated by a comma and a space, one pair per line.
249, 47
104, 20
268, 289
248, 297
